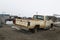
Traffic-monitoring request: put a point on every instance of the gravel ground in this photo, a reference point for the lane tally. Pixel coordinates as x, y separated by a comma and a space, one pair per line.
6, 33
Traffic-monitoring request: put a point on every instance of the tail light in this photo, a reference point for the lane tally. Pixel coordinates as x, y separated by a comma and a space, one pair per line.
14, 21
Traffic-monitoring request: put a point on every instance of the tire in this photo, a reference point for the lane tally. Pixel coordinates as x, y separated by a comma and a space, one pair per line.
35, 29
32, 30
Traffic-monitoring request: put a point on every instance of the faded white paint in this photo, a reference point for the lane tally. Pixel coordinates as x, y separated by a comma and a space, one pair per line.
33, 22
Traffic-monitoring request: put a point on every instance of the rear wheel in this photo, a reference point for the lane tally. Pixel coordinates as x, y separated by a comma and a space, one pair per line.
32, 30
35, 29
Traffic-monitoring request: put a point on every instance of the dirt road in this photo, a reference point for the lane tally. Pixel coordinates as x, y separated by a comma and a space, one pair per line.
6, 33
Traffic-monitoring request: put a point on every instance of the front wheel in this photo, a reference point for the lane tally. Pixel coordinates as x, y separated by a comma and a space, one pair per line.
52, 28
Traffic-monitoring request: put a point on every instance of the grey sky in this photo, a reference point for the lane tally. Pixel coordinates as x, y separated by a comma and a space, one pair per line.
30, 7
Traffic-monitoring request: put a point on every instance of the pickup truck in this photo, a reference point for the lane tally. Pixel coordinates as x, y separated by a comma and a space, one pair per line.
37, 22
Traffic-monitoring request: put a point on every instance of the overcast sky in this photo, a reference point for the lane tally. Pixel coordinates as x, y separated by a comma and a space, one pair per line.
30, 7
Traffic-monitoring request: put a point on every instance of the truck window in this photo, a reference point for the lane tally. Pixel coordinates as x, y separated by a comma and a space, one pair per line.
41, 17
38, 17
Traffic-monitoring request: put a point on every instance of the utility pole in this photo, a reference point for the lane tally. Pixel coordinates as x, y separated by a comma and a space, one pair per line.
36, 13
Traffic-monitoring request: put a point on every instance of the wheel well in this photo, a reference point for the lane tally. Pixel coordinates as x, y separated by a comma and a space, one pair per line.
37, 26
51, 25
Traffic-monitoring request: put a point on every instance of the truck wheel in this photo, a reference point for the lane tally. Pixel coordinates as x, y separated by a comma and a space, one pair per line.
52, 29
32, 30
37, 28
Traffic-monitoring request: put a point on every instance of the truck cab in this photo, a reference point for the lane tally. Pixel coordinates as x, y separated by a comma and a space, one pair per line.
40, 17
45, 19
